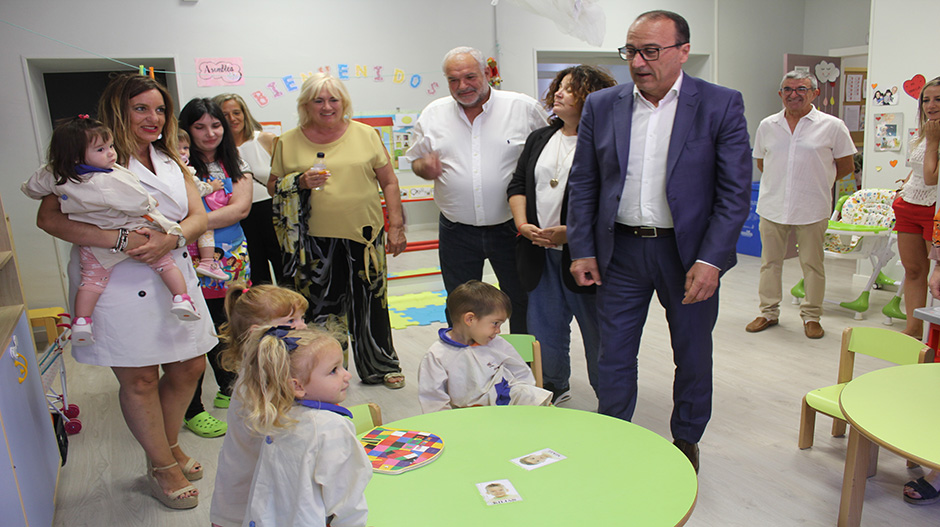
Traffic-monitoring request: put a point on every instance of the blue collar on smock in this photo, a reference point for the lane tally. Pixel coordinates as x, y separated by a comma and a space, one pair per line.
447, 340
81, 169
319, 405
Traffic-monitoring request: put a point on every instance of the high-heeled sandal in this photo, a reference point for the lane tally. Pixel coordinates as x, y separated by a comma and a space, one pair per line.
189, 468
173, 499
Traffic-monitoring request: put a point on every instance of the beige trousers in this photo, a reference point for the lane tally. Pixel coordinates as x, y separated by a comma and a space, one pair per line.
809, 239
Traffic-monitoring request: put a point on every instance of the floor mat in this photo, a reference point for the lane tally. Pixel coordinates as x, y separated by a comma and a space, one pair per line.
417, 309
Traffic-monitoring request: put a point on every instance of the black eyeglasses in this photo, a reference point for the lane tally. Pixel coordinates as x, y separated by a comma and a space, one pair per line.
802, 90
649, 53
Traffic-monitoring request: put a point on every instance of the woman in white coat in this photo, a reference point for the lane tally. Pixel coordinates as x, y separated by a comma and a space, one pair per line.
136, 335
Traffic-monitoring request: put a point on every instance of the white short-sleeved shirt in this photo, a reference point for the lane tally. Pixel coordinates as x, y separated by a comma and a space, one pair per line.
478, 158
799, 167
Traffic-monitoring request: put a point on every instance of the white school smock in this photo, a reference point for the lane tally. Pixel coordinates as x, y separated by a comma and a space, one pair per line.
311, 471
457, 376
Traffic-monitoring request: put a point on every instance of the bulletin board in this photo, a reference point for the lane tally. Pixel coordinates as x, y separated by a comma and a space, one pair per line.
853, 103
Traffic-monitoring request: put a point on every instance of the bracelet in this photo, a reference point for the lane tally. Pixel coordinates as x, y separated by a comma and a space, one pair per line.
121, 243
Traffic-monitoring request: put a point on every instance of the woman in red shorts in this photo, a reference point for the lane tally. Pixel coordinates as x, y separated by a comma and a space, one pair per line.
914, 206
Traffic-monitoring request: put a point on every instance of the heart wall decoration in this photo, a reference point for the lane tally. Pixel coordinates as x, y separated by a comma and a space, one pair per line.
913, 86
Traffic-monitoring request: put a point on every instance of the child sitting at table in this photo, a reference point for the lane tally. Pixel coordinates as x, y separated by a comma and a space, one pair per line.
312, 471
471, 365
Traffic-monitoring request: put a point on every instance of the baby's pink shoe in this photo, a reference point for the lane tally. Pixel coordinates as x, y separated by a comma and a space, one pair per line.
184, 308
212, 269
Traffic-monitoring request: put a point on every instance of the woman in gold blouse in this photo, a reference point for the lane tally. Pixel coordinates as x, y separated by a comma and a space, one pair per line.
330, 223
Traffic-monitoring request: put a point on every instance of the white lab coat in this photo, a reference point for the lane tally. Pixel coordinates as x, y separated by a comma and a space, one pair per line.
237, 459
453, 376
307, 473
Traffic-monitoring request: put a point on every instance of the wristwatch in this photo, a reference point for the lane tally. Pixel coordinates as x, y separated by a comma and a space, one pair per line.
181, 242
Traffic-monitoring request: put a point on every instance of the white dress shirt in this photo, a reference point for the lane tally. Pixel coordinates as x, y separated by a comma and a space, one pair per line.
799, 167
478, 158
643, 202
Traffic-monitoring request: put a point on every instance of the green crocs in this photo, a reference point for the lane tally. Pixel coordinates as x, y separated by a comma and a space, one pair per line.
204, 425
222, 400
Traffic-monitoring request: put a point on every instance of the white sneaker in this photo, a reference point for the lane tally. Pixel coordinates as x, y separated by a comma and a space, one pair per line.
212, 269
184, 308
82, 332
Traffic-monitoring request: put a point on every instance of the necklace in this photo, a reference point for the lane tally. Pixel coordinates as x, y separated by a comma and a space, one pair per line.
561, 160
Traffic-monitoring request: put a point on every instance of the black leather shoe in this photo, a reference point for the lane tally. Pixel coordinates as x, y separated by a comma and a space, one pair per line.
690, 450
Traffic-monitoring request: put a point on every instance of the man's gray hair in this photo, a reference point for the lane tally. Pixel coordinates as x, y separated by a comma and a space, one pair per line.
800, 75
465, 50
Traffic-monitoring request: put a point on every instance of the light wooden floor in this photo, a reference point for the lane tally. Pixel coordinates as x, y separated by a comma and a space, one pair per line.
752, 473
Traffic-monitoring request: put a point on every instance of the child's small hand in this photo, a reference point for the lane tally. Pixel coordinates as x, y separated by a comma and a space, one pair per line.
216, 184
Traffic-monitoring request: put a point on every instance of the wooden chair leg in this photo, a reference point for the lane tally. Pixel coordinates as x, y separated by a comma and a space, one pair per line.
375, 411
838, 427
807, 426
873, 461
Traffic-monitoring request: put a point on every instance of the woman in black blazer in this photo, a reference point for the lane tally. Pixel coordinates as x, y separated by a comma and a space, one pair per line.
538, 198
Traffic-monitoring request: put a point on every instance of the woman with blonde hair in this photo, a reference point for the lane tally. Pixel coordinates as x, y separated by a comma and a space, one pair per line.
331, 228
255, 147
914, 207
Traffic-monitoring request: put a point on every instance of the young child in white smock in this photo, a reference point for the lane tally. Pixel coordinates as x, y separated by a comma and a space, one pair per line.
246, 309
311, 471
471, 365
81, 171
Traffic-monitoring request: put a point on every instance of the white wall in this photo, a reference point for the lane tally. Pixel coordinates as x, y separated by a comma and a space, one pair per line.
832, 24
753, 36
743, 43
903, 43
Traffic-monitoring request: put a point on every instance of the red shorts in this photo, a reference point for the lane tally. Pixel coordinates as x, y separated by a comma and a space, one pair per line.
915, 219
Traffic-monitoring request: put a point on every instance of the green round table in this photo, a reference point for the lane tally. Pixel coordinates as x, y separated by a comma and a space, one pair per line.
883, 412
616, 472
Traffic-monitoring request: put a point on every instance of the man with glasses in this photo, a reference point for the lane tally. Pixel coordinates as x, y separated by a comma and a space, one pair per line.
659, 190
800, 152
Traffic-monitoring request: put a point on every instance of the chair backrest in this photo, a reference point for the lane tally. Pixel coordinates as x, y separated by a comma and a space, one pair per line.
869, 206
884, 344
366, 417
529, 349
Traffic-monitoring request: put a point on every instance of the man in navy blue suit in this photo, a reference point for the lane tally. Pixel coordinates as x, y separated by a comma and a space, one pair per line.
659, 189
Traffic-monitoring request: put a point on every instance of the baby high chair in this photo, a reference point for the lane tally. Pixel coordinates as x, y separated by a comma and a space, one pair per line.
861, 227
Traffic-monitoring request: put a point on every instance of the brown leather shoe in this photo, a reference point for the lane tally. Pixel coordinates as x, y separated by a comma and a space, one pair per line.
690, 450
760, 324
813, 330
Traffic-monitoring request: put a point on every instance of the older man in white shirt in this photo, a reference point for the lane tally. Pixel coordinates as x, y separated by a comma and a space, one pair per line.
800, 151
468, 144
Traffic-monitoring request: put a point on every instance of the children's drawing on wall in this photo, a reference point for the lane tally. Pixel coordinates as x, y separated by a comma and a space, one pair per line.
887, 131
402, 138
854, 84
885, 97
827, 73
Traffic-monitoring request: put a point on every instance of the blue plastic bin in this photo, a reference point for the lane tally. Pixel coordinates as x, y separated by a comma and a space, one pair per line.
749, 240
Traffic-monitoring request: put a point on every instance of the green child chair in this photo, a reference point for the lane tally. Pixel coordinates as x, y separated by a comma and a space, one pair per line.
366, 417
884, 344
529, 349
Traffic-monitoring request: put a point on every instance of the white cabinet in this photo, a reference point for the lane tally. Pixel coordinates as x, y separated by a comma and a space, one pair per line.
29, 454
